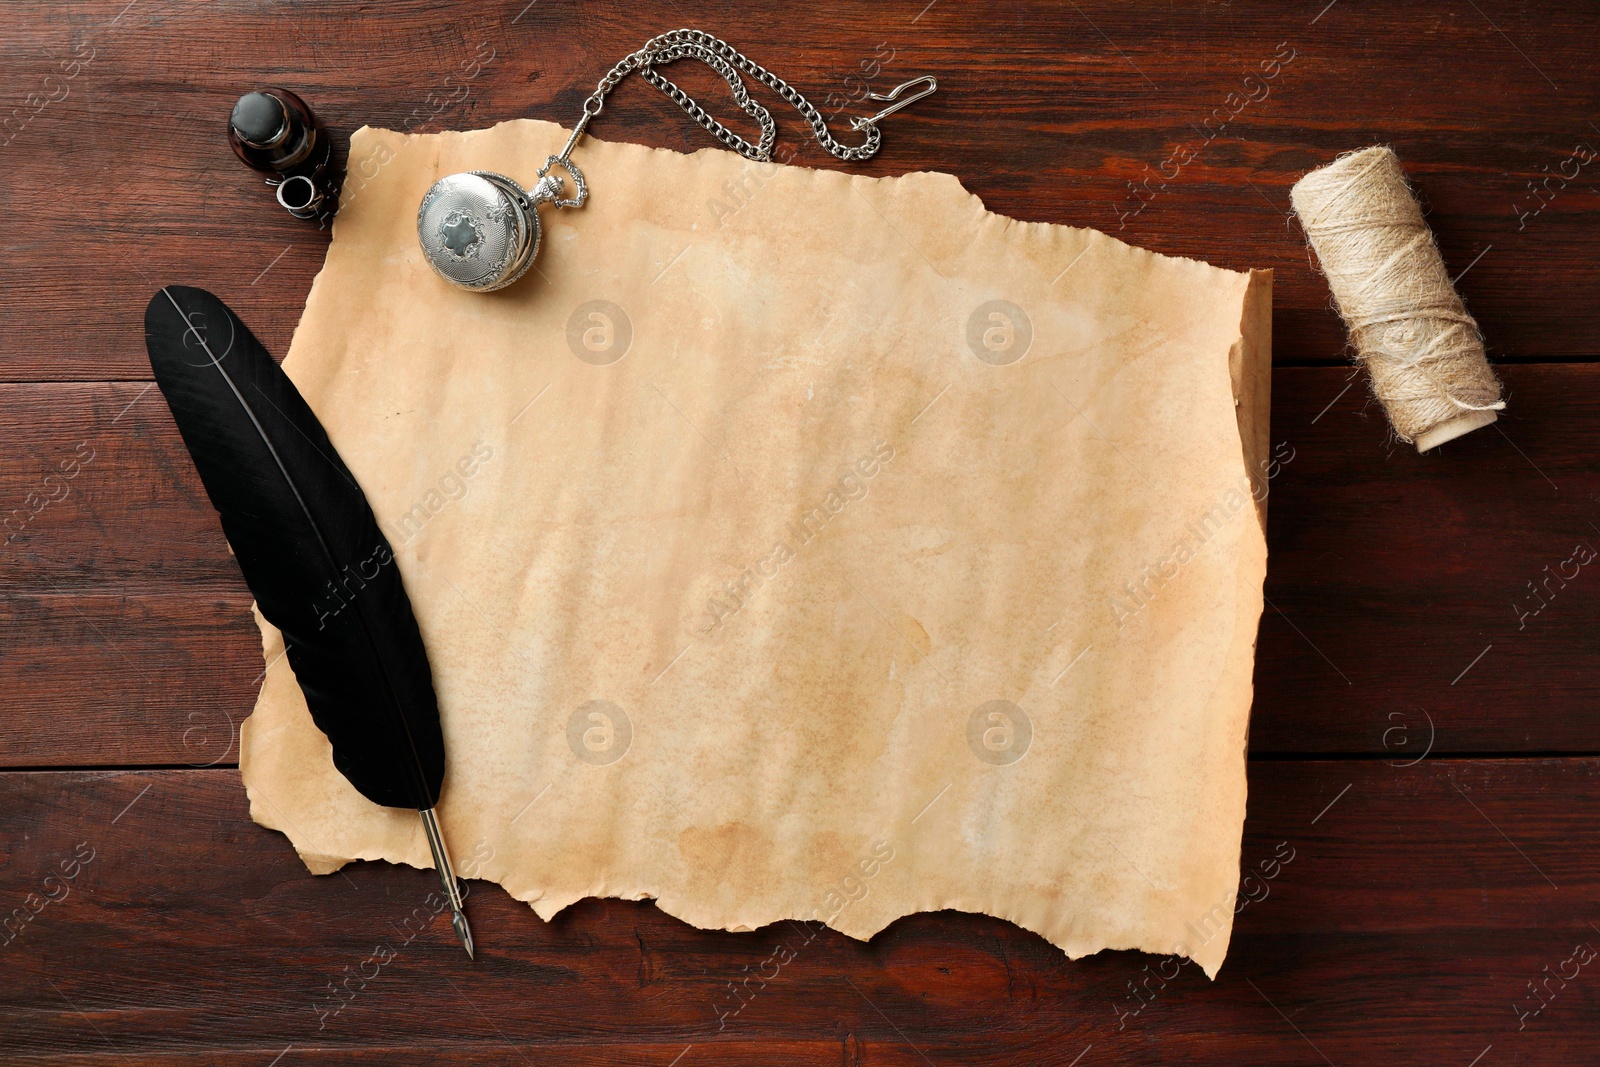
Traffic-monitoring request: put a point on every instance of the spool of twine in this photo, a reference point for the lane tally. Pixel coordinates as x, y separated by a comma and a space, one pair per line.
1406, 321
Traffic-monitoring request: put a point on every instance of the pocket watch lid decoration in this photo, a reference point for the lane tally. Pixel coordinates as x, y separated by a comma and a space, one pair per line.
480, 230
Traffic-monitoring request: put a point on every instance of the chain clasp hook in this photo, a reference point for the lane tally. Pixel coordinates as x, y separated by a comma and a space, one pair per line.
892, 98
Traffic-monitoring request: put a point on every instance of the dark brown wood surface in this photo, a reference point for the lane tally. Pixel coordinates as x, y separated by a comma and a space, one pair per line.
1424, 739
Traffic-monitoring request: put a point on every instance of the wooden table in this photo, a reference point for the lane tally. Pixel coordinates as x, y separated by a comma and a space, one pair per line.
1424, 737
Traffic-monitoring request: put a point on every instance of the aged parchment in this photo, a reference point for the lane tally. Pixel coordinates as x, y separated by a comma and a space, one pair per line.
794, 544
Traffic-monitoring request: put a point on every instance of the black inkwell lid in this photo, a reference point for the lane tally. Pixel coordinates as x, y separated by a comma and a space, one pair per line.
274, 131
260, 120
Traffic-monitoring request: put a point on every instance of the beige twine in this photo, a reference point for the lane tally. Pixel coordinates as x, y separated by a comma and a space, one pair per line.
1406, 320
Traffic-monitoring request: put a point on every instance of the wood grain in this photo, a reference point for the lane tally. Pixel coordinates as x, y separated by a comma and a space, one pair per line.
1046, 111
1423, 897
125, 628
1402, 920
1399, 584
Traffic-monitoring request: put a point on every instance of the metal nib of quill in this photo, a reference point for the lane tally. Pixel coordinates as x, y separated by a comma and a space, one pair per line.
447, 878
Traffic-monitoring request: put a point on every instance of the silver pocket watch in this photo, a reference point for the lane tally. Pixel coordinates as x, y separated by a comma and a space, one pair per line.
480, 230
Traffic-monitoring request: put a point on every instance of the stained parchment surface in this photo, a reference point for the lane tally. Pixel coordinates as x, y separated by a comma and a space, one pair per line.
792, 544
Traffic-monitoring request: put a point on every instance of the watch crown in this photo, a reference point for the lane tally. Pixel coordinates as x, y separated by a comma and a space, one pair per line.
550, 188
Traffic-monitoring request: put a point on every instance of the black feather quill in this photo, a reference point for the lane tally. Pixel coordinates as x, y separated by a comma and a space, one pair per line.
311, 551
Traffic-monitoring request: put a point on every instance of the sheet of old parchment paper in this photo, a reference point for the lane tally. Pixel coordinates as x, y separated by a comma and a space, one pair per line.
796, 544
